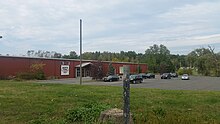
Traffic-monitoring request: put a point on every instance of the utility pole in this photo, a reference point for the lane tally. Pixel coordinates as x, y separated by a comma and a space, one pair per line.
80, 51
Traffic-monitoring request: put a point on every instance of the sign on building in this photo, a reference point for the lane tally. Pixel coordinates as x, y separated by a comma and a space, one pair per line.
121, 70
65, 69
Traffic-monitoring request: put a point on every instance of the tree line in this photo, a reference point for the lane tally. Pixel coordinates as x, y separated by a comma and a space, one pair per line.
203, 61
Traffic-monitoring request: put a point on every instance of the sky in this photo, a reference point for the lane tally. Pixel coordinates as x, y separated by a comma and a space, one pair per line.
108, 25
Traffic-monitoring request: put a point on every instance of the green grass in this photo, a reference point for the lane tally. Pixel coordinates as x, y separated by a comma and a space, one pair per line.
26, 102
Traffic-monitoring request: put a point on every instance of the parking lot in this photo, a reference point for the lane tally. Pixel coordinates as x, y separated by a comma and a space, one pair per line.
195, 83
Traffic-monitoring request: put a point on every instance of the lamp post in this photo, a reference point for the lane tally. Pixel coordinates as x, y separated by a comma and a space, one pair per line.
80, 51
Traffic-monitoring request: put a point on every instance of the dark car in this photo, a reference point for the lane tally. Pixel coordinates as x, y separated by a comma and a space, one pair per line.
166, 76
111, 78
174, 75
144, 76
135, 79
150, 75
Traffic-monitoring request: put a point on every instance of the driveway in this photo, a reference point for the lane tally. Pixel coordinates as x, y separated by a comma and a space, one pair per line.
195, 83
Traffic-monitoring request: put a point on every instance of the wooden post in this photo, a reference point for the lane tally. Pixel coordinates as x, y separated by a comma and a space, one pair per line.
126, 94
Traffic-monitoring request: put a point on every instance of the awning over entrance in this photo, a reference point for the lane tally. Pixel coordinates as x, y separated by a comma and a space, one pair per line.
85, 69
84, 64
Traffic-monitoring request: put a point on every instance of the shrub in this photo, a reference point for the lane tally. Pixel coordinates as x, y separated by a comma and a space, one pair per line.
6, 77
89, 113
39, 76
36, 72
182, 71
25, 76
3, 78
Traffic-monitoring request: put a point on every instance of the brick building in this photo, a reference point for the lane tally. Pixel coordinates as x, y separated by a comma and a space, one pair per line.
60, 68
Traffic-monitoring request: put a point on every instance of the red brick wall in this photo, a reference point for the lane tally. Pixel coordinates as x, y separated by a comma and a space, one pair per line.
10, 66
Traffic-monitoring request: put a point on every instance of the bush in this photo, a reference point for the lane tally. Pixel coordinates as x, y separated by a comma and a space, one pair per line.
39, 76
10, 77
25, 76
89, 113
3, 77
31, 76
182, 71
36, 72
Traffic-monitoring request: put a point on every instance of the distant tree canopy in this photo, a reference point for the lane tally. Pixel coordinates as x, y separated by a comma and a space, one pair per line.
72, 55
51, 54
129, 56
205, 60
158, 58
42, 53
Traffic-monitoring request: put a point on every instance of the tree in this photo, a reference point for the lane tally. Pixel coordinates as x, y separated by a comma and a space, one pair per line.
158, 59
42, 53
139, 69
163, 50
30, 53
205, 60
175, 61
57, 55
72, 55
216, 61
97, 70
111, 69
191, 59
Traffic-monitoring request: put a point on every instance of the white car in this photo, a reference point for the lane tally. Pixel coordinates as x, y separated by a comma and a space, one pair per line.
185, 77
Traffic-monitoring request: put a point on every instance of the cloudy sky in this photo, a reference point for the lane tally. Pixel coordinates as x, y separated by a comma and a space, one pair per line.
108, 25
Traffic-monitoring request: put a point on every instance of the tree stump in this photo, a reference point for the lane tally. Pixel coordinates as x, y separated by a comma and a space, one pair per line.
114, 116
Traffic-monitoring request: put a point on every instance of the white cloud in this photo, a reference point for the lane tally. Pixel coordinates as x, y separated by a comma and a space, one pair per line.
207, 37
113, 25
194, 12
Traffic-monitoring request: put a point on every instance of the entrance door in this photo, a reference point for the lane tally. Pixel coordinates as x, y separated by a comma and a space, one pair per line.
78, 72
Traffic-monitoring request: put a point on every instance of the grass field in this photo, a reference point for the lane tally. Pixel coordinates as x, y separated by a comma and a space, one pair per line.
26, 102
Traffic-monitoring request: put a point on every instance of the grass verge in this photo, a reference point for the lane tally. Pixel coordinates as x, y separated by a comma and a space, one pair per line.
26, 102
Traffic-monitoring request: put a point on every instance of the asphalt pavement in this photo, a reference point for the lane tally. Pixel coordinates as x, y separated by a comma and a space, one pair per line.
195, 83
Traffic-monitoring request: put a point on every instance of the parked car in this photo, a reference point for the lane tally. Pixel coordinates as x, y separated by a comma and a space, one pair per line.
174, 75
135, 79
166, 76
185, 77
143, 75
150, 75
111, 78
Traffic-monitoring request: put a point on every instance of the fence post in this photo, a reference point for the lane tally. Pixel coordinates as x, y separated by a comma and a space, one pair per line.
126, 94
